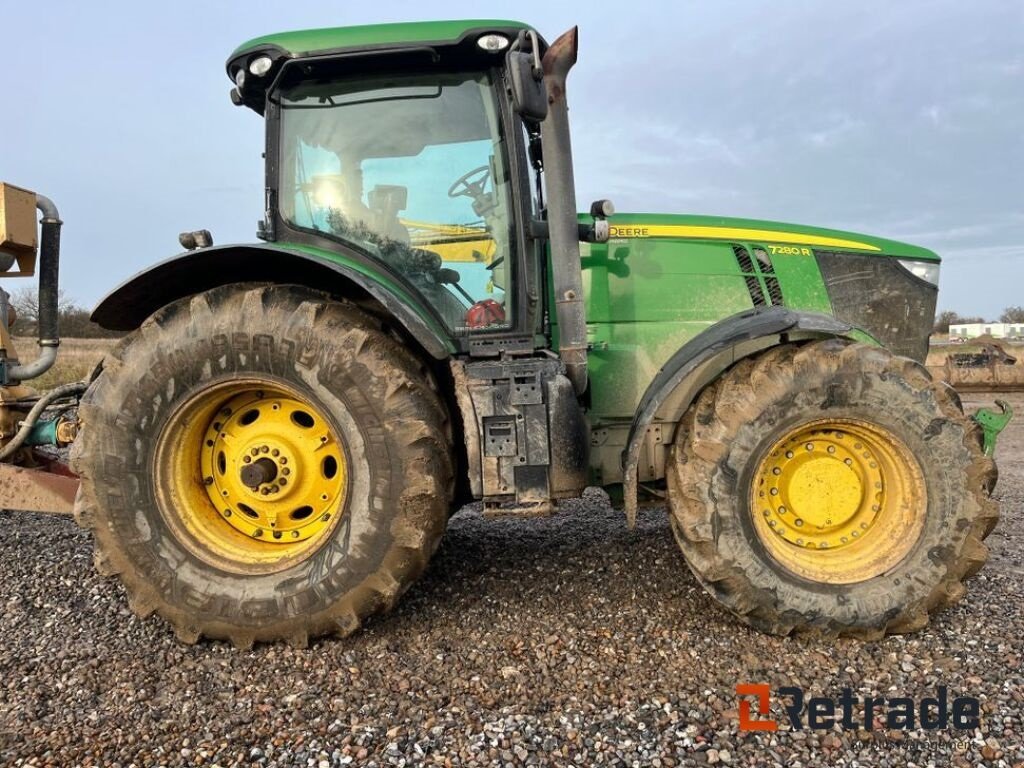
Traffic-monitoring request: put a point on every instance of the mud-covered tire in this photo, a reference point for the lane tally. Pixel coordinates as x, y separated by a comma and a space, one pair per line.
378, 396
728, 431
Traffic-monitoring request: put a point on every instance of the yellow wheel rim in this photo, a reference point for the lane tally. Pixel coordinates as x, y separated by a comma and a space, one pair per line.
254, 476
838, 501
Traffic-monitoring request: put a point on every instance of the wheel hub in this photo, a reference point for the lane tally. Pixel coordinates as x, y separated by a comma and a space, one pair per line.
272, 467
822, 488
838, 501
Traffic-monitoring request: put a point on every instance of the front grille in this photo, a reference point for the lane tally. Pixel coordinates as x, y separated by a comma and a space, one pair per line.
876, 294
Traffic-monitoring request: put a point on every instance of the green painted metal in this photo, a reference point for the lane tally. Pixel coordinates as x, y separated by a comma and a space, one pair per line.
309, 41
878, 244
992, 424
399, 289
647, 296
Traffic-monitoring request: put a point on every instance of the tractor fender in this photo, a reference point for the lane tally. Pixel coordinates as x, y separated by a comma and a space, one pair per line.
701, 360
127, 306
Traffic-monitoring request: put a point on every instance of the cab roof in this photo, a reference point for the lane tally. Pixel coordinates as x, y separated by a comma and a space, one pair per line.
315, 41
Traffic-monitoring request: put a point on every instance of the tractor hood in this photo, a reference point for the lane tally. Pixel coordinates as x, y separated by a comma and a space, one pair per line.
718, 228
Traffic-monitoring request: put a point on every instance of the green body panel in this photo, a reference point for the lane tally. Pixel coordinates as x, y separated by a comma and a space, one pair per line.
400, 291
650, 292
308, 41
872, 244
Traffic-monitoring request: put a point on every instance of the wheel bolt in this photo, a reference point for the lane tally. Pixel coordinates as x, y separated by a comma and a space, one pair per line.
325, 517
284, 460
277, 534
284, 481
275, 452
257, 533
799, 523
286, 471
208, 480
264, 449
264, 491
255, 451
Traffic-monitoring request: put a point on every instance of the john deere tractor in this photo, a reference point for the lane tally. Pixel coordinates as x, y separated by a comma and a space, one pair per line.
274, 449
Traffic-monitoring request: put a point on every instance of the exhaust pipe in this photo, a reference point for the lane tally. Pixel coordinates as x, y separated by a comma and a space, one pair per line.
562, 217
49, 263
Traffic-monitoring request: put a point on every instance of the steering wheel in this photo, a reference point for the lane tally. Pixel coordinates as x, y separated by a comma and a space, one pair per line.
471, 184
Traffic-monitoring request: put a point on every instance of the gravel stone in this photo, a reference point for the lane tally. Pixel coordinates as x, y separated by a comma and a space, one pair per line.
560, 641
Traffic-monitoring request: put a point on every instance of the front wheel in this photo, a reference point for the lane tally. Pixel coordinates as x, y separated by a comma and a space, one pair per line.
832, 487
263, 463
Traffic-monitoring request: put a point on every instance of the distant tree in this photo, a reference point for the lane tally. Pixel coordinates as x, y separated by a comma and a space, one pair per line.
74, 320
1012, 315
944, 319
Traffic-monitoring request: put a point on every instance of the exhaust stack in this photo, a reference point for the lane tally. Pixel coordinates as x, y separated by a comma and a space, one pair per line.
562, 219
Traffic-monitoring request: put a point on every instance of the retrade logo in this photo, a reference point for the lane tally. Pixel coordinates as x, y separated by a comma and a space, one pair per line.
851, 712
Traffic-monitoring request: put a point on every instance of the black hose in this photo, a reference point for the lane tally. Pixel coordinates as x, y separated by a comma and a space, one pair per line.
37, 410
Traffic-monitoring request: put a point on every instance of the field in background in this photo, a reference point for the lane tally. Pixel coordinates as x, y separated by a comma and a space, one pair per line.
78, 356
75, 359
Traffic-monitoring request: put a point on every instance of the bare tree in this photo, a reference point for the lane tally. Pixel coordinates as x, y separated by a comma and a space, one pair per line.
1013, 314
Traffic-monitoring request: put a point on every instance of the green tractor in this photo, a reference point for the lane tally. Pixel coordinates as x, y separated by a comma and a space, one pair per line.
275, 448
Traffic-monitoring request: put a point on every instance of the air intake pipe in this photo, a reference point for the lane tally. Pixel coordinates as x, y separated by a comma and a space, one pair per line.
562, 218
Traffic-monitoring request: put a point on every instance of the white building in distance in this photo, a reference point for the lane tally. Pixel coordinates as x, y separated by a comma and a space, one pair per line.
964, 331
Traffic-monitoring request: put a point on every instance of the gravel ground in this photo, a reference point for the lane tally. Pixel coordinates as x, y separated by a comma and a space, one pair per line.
564, 641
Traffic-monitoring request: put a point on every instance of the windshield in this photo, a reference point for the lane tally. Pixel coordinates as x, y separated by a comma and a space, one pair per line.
413, 170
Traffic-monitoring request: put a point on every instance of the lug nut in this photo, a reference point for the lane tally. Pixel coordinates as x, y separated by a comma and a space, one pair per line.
275, 452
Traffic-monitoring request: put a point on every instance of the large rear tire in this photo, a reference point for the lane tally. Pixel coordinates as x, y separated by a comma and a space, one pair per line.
262, 463
831, 487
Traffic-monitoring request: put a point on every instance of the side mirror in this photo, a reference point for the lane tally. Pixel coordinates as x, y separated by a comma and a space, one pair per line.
529, 96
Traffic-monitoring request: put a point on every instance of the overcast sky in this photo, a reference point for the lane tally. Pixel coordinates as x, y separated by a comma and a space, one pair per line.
902, 119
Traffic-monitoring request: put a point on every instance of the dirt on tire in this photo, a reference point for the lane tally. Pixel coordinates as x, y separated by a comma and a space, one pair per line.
379, 396
726, 430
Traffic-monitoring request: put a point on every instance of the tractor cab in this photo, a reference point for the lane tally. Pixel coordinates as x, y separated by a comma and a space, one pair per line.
412, 156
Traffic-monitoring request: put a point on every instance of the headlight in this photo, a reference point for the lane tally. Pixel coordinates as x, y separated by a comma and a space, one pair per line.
260, 66
926, 270
492, 42
240, 78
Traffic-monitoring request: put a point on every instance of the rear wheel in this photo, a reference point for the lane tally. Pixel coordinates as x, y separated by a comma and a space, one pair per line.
262, 463
832, 487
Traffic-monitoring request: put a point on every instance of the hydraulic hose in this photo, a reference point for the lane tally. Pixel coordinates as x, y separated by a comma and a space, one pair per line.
33, 415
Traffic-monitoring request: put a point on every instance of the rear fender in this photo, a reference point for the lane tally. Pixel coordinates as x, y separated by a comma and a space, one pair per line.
702, 359
128, 305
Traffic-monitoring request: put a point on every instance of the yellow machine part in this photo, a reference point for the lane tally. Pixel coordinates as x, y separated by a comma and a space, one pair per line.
838, 501
254, 474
